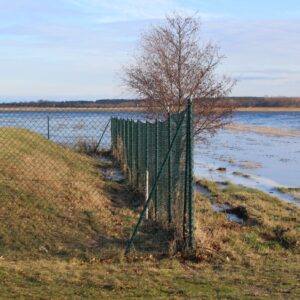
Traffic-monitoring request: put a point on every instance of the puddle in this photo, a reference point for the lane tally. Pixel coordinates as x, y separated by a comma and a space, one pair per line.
104, 159
238, 214
252, 180
235, 214
110, 172
222, 186
286, 197
113, 174
202, 190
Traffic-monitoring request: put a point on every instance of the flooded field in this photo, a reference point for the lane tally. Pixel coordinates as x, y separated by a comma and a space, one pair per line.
262, 151
259, 150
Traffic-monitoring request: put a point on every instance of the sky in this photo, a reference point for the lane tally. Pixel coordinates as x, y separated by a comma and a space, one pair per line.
75, 49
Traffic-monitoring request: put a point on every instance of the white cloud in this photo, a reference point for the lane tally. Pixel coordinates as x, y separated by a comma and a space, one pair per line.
128, 10
50, 54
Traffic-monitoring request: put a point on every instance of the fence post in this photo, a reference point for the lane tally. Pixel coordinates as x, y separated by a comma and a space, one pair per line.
131, 152
121, 139
103, 133
127, 148
169, 171
156, 170
147, 170
48, 127
146, 146
112, 135
137, 154
123, 145
147, 194
190, 137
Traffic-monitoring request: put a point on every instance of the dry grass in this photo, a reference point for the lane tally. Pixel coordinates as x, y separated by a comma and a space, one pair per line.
55, 202
271, 225
64, 238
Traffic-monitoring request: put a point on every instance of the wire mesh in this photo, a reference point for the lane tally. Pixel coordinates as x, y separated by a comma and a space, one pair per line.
163, 149
54, 153
45, 152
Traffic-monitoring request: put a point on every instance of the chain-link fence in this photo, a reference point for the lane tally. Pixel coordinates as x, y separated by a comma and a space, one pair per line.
30, 137
53, 154
157, 158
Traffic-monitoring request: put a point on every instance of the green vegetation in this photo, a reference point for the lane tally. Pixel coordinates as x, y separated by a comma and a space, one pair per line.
294, 192
64, 238
237, 173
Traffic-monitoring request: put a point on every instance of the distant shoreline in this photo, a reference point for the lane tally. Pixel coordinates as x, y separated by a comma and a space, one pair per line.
270, 109
242, 109
71, 108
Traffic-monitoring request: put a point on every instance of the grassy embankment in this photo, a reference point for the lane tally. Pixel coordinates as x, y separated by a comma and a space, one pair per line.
64, 237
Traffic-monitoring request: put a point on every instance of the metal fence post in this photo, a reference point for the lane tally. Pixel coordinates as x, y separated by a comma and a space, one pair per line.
147, 194
169, 171
156, 170
112, 136
127, 148
48, 127
137, 154
123, 146
131, 152
102, 135
147, 171
190, 137
186, 178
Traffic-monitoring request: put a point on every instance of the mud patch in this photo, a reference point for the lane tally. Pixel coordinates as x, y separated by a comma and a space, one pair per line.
237, 173
202, 190
235, 214
222, 185
110, 171
249, 165
265, 130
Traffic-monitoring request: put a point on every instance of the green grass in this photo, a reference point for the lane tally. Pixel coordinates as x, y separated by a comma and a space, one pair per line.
294, 192
237, 173
64, 238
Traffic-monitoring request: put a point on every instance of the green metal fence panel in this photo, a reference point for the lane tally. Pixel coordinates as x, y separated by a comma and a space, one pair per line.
164, 149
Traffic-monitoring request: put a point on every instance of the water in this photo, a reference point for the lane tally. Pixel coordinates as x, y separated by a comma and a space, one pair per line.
68, 126
268, 161
290, 120
262, 161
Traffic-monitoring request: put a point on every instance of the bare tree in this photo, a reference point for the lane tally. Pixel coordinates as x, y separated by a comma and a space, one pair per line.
173, 65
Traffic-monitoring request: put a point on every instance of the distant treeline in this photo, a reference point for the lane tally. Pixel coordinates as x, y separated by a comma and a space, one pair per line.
76, 103
265, 101
239, 101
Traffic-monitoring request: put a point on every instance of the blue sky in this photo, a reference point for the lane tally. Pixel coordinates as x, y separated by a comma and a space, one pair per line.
74, 49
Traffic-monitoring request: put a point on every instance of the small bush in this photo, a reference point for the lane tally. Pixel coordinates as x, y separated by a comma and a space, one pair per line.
86, 147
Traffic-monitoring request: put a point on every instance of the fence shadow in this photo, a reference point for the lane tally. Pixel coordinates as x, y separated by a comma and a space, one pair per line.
128, 203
